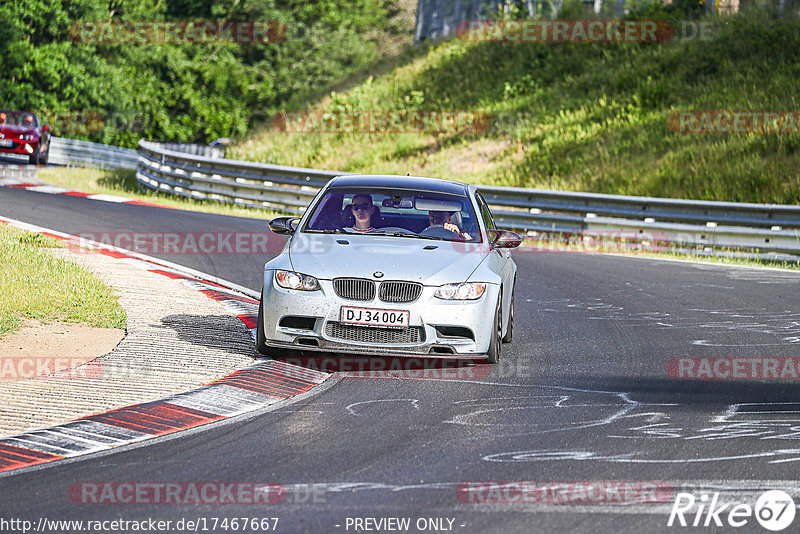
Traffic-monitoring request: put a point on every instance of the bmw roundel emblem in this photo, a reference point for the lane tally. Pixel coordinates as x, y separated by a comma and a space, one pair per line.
377, 274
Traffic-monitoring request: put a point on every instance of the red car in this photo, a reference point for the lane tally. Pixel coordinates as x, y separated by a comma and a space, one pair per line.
21, 133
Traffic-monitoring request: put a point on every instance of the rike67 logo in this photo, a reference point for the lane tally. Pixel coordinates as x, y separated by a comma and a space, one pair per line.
774, 510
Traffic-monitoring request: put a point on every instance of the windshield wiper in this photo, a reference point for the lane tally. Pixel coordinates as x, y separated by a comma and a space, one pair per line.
331, 231
408, 234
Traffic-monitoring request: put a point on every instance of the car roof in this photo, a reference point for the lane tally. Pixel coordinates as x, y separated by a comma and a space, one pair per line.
18, 112
419, 183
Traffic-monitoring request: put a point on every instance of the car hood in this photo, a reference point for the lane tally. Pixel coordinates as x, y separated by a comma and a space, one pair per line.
326, 256
10, 130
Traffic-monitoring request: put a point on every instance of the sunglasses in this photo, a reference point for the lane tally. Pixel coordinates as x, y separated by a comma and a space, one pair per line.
364, 207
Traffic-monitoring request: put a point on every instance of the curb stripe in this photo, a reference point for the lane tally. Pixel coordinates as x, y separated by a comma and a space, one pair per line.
21, 186
260, 384
12, 453
34, 442
249, 320
114, 254
222, 400
275, 391
243, 391
155, 418
220, 295
149, 204
257, 381
179, 276
56, 190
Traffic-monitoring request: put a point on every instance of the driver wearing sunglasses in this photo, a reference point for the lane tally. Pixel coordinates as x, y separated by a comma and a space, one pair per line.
362, 209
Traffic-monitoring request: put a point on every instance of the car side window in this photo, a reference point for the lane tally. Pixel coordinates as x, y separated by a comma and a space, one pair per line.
485, 213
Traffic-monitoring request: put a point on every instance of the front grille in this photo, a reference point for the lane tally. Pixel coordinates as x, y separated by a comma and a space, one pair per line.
369, 334
392, 291
354, 288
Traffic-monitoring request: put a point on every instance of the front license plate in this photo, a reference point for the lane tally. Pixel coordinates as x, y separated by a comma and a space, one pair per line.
6, 142
374, 317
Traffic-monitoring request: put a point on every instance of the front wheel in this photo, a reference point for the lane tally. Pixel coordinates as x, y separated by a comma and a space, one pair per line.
261, 339
510, 328
493, 354
35, 159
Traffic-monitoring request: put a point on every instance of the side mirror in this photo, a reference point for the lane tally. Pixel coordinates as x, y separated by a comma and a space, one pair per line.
284, 225
45, 128
504, 239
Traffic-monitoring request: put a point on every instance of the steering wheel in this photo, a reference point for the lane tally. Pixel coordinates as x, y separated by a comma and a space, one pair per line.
439, 231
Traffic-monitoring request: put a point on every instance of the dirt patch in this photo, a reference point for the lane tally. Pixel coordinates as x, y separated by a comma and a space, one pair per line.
38, 349
477, 156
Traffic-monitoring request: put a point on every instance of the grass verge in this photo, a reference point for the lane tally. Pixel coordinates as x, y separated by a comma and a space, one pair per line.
589, 117
37, 285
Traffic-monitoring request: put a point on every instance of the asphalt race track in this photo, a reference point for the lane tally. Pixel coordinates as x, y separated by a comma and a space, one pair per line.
583, 394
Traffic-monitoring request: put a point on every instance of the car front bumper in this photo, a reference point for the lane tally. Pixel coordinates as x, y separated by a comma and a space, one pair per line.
18, 146
446, 328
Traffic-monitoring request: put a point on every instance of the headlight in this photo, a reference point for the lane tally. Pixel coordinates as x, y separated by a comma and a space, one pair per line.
28, 137
465, 291
293, 280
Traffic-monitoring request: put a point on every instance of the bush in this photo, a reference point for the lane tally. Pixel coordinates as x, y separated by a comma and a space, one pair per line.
181, 92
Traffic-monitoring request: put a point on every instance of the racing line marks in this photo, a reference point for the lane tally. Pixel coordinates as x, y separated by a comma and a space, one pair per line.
351, 411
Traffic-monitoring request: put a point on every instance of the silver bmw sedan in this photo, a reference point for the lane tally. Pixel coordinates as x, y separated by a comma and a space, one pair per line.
391, 265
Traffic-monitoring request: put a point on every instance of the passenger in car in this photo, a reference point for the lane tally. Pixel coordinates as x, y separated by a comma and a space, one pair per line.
362, 209
442, 219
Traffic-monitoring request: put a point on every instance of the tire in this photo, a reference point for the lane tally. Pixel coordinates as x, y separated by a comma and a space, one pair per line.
493, 354
510, 330
261, 339
34, 159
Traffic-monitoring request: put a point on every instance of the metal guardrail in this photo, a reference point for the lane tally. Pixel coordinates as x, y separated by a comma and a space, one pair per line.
277, 187
195, 149
72, 152
683, 223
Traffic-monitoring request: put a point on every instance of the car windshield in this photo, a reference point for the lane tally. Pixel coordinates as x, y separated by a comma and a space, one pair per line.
395, 213
17, 118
